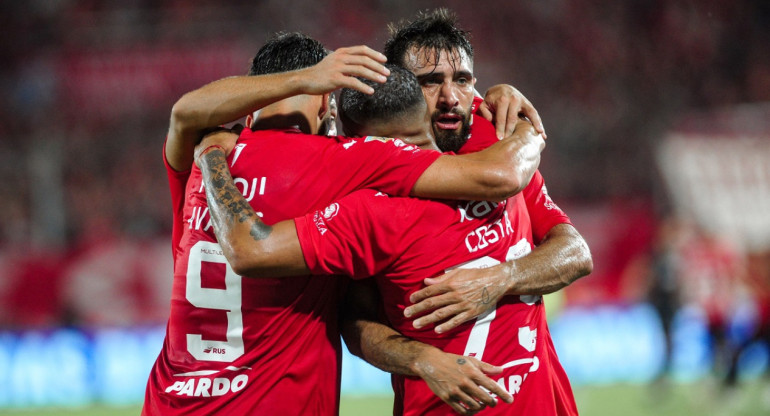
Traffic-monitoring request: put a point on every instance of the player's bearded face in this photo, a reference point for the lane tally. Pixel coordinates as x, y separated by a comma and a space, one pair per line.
447, 83
451, 128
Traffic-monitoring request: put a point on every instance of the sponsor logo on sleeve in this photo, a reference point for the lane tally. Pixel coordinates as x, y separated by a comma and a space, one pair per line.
549, 204
331, 211
320, 218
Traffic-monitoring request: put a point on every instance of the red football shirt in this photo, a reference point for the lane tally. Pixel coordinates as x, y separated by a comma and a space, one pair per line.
263, 346
402, 241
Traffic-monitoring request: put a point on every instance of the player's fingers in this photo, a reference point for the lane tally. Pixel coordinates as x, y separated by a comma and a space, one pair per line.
437, 316
428, 304
511, 120
427, 292
453, 323
485, 111
438, 279
353, 71
479, 395
365, 51
531, 113
487, 368
490, 386
459, 408
468, 401
361, 72
501, 116
352, 61
355, 84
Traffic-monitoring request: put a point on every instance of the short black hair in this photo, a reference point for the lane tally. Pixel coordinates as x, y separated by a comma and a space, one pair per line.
395, 98
434, 30
287, 51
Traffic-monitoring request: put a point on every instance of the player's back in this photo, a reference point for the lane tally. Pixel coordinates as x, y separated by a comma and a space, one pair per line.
402, 241
242, 345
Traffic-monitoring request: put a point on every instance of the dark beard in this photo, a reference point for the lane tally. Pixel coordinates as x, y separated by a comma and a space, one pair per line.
452, 141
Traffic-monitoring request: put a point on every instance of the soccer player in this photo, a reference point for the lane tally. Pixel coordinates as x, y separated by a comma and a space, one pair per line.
440, 54
243, 345
562, 255
401, 241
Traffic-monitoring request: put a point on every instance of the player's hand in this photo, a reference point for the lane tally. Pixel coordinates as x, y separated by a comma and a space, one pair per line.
340, 68
461, 382
458, 296
222, 137
503, 104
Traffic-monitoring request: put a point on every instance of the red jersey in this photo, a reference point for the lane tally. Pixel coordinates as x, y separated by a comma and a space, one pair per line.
401, 241
269, 346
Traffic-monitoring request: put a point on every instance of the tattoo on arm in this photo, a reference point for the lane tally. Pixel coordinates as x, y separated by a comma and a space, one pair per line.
226, 204
461, 361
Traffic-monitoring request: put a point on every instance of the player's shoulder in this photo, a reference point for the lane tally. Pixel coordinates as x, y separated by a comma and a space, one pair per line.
387, 206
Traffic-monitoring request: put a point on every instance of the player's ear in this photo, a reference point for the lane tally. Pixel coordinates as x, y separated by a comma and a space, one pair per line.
324, 106
249, 120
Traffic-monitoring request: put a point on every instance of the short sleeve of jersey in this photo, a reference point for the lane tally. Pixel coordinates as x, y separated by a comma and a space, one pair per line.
543, 212
177, 181
390, 166
358, 236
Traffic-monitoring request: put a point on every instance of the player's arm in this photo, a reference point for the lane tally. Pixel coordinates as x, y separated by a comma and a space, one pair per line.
503, 105
493, 174
252, 248
229, 99
455, 379
463, 294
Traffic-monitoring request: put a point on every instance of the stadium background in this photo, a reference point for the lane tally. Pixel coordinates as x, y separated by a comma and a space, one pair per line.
658, 119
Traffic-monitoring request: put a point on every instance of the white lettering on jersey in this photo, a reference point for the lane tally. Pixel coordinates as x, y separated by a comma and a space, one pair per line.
476, 209
487, 234
208, 387
198, 214
318, 220
548, 204
249, 189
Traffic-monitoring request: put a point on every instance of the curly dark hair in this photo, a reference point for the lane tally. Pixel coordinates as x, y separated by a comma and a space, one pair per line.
399, 95
432, 31
287, 51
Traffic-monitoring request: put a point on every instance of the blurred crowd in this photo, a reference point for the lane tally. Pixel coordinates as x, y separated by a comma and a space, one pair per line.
88, 87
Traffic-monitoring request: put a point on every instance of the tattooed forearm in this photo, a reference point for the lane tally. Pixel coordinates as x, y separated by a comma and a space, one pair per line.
227, 206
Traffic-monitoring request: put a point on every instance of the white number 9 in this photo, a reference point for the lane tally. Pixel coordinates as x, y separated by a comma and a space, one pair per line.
228, 299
